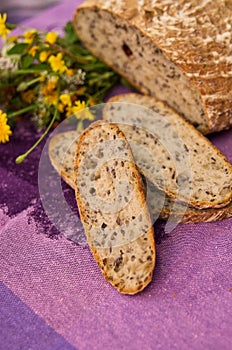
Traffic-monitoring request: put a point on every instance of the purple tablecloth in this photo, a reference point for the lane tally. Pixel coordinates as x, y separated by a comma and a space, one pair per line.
52, 294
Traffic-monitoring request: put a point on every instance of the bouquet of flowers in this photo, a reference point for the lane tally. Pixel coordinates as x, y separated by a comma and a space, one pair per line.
49, 77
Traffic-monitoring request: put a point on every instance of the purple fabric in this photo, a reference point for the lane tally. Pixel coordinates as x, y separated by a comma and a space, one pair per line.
57, 291
20, 327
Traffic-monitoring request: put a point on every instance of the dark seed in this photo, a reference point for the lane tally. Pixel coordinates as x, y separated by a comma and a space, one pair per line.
127, 50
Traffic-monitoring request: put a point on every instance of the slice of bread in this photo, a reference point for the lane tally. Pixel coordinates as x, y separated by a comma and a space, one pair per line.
62, 150
112, 206
171, 153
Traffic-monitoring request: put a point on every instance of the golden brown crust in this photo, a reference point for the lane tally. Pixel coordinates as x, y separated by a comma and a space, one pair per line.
196, 36
99, 253
193, 216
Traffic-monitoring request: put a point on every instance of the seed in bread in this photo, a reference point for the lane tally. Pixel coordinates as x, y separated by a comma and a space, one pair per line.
113, 208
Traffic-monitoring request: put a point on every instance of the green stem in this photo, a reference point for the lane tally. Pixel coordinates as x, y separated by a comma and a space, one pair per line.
101, 92
21, 111
23, 156
80, 126
24, 85
101, 78
77, 58
28, 71
93, 66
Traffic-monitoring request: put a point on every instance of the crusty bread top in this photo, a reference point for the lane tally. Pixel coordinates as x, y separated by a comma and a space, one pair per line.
196, 35
113, 209
192, 157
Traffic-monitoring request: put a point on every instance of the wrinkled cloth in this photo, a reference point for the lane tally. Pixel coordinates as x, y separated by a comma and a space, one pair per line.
52, 293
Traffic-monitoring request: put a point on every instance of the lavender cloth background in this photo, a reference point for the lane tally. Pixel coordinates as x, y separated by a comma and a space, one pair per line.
52, 295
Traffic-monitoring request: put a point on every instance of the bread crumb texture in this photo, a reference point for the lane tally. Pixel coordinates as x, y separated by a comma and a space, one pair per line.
113, 208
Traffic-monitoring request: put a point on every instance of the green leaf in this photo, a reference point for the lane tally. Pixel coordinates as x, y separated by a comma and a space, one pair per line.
18, 49
42, 67
26, 61
68, 28
11, 26
70, 34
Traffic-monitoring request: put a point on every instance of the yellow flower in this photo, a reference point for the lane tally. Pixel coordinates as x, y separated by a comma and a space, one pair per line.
3, 29
57, 63
60, 107
49, 87
66, 100
33, 50
69, 111
5, 131
70, 72
81, 90
28, 96
42, 79
12, 38
51, 37
91, 101
29, 36
51, 98
80, 107
43, 56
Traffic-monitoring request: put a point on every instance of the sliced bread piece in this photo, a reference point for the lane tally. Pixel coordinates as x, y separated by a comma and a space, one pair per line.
190, 167
179, 51
62, 148
113, 208
62, 160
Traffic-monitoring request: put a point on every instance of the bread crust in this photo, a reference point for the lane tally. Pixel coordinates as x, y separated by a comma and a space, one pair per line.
193, 216
103, 255
195, 35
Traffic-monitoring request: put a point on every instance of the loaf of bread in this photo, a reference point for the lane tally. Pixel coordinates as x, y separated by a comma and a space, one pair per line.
179, 51
62, 150
171, 153
112, 206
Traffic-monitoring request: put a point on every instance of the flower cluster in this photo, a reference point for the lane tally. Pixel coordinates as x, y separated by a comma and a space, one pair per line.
49, 77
